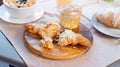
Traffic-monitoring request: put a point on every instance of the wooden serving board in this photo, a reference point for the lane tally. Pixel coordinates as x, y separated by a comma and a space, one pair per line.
59, 52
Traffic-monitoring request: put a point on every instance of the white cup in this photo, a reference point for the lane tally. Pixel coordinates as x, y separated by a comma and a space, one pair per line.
21, 12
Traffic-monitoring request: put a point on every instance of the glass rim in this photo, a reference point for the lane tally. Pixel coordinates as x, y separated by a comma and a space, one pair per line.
75, 6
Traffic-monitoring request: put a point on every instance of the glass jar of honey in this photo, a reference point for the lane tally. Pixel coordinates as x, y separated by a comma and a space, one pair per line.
70, 17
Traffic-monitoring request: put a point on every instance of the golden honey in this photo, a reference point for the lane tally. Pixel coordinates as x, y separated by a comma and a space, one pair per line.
70, 18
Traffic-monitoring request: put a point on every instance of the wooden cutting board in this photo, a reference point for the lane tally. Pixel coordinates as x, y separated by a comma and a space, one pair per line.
59, 52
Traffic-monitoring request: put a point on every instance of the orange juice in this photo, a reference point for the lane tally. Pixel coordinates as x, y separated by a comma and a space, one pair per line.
61, 3
70, 17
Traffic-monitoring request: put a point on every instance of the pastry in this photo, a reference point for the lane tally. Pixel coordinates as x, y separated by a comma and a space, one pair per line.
47, 44
32, 29
42, 31
52, 29
83, 41
110, 17
68, 37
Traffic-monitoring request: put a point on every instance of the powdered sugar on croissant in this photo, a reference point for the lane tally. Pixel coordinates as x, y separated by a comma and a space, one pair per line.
66, 38
110, 17
52, 29
69, 37
47, 43
40, 30
33, 29
116, 19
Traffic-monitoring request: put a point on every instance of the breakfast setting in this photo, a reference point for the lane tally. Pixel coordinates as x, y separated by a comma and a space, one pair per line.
60, 33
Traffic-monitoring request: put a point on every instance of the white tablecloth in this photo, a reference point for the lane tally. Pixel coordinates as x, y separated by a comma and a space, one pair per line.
105, 50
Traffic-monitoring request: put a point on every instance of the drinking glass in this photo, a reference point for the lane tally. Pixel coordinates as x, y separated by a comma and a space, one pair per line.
61, 3
109, 3
109, 0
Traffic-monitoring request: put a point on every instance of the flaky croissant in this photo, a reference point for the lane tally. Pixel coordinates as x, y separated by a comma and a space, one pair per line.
32, 29
42, 31
47, 43
110, 17
69, 37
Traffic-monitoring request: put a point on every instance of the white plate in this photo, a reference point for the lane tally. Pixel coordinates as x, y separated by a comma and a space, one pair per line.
105, 29
6, 16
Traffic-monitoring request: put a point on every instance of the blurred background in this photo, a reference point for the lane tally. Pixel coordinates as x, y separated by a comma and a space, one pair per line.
0, 2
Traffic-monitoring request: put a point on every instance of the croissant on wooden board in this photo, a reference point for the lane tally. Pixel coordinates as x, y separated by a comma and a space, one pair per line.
110, 17
47, 44
41, 31
69, 37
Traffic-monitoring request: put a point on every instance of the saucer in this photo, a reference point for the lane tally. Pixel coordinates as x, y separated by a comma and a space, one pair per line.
4, 15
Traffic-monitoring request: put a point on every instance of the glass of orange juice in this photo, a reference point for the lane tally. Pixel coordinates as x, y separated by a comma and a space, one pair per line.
70, 17
60, 3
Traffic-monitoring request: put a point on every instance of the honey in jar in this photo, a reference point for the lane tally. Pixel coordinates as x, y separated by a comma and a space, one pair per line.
70, 17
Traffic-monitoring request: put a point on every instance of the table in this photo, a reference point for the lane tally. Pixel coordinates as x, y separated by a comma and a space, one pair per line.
40, 60
8, 54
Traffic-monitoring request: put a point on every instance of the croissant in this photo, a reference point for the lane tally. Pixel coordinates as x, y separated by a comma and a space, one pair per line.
69, 37
33, 29
110, 17
83, 41
47, 44
52, 29
42, 31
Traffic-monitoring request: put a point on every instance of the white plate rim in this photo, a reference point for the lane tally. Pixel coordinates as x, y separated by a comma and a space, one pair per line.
41, 13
